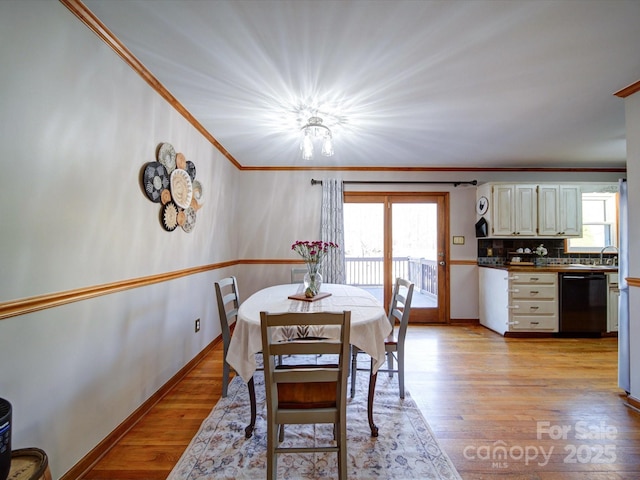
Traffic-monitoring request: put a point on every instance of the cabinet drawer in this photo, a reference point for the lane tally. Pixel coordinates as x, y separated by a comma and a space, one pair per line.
533, 278
547, 323
533, 307
533, 292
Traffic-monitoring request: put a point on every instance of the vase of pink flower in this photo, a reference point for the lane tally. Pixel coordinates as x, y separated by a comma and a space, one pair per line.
541, 252
313, 253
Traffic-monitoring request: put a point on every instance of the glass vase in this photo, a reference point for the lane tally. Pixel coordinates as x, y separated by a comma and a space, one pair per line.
312, 280
540, 261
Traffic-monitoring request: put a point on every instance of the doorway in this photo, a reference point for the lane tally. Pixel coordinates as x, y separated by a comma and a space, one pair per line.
390, 235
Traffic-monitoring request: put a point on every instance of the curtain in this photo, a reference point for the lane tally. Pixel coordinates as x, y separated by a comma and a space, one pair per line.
332, 230
624, 369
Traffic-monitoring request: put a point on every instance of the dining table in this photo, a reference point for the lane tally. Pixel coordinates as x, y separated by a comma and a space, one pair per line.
369, 328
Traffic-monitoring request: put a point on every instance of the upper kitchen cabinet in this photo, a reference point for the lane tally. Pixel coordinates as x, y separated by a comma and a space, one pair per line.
559, 211
512, 209
530, 210
516, 208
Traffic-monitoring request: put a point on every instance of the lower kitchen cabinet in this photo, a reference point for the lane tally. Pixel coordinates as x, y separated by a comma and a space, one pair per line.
518, 302
533, 302
494, 299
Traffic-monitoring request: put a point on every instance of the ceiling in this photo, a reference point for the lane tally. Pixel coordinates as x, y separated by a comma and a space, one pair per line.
443, 84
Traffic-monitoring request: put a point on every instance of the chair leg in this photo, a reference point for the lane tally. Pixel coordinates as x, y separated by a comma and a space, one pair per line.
401, 370
272, 457
390, 364
225, 378
354, 369
342, 450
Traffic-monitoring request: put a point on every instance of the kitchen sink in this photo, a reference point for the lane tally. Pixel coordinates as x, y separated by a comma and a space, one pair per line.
592, 267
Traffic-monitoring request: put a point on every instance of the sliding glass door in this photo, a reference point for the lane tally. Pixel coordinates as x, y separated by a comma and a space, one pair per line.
390, 235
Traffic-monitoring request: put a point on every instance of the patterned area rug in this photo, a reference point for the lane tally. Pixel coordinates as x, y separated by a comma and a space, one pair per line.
405, 448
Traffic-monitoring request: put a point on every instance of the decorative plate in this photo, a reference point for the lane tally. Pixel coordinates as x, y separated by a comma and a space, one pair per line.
482, 205
181, 188
190, 220
182, 217
181, 162
165, 196
155, 179
197, 191
191, 168
170, 217
167, 156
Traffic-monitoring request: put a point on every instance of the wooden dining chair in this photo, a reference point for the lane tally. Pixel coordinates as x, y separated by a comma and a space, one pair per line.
306, 393
228, 304
399, 310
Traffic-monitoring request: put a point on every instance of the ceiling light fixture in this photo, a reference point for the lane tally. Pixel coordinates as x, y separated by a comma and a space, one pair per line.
313, 129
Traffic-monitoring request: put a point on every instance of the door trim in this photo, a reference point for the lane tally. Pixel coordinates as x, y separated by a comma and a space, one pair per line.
442, 200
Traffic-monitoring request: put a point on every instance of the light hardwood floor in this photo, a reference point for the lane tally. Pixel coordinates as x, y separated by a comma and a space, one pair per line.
552, 404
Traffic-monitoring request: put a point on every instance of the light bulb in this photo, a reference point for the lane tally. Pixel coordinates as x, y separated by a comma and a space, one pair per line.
307, 147
327, 146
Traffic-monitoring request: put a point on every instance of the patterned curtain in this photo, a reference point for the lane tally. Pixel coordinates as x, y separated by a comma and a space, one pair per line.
332, 230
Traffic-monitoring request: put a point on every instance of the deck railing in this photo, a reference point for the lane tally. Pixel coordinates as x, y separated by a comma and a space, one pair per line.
368, 272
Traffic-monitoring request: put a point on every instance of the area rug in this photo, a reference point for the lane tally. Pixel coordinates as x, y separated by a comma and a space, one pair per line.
405, 448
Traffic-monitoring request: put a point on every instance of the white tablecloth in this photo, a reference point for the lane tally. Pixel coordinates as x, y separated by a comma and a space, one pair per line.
369, 323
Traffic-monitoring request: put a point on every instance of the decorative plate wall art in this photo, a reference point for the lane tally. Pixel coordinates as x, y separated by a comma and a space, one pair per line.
171, 182
155, 180
167, 156
181, 188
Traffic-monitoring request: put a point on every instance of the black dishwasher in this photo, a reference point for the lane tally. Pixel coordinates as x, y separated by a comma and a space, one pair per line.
583, 302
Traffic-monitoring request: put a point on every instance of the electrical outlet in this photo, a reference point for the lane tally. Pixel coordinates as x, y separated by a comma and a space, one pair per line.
197, 325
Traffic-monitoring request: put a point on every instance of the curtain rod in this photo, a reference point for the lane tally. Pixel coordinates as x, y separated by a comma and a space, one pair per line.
380, 182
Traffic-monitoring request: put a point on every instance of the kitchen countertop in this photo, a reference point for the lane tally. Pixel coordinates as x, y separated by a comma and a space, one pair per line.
555, 268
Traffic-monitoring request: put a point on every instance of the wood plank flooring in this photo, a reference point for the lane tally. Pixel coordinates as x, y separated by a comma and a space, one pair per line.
551, 405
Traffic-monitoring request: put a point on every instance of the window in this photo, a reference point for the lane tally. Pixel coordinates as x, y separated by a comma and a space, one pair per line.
599, 223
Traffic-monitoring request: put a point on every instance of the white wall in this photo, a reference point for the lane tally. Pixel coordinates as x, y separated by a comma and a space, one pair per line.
77, 127
632, 110
279, 208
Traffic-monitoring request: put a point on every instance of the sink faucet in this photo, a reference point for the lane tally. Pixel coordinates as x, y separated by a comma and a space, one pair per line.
604, 248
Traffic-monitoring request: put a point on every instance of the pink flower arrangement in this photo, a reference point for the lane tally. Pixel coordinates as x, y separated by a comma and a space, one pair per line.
313, 252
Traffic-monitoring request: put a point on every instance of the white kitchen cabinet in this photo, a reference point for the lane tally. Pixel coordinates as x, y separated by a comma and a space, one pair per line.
533, 302
518, 302
494, 299
531, 210
559, 210
514, 210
